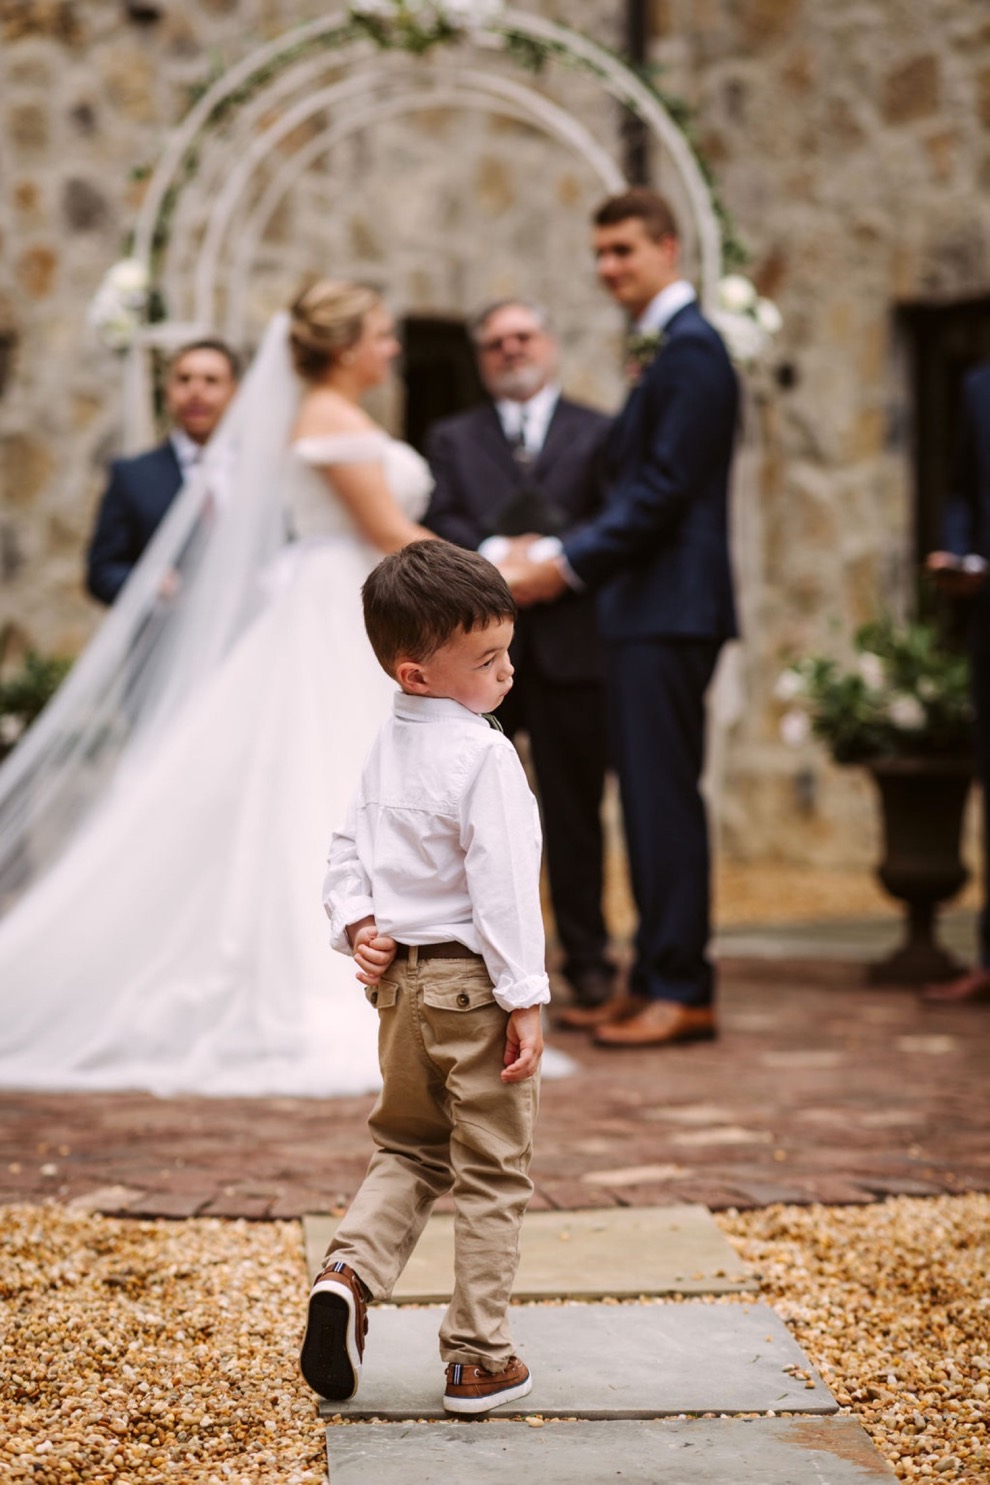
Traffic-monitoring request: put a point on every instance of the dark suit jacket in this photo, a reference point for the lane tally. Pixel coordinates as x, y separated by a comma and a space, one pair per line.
138, 495
476, 475
967, 514
659, 551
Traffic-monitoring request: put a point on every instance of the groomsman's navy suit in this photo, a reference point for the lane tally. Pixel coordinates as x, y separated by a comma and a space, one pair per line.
139, 493
658, 556
967, 530
557, 697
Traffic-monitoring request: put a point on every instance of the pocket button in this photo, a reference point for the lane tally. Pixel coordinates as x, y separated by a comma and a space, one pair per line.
374, 997
463, 999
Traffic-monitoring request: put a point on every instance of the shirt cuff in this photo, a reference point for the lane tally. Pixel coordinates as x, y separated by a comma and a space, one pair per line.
494, 548
545, 549
352, 910
519, 995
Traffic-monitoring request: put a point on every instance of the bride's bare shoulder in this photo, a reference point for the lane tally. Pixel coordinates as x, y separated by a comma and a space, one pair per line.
324, 412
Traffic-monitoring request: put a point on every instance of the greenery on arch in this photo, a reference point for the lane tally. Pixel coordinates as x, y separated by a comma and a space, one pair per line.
417, 27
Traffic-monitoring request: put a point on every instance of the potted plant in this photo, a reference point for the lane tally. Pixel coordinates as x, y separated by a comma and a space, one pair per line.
902, 710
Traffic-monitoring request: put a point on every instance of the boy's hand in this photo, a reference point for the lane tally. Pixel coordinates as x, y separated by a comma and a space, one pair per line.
523, 1044
373, 951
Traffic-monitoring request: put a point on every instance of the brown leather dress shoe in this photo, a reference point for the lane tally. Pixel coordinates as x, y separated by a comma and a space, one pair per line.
587, 1017
963, 990
658, 1024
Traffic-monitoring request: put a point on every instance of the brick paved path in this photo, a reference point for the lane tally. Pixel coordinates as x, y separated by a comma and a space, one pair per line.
819, 1089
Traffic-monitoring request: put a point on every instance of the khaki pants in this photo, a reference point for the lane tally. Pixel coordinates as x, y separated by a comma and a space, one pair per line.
445, 1121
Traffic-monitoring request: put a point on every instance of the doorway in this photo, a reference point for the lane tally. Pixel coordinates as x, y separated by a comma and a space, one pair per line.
439, 372
944, 342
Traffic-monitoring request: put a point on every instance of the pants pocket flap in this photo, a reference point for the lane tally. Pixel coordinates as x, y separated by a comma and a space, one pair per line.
383, 995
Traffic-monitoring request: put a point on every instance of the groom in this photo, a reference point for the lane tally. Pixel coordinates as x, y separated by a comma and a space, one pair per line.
657, 556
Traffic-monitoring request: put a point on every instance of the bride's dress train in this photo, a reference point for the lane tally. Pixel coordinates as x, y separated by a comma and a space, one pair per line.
179, 945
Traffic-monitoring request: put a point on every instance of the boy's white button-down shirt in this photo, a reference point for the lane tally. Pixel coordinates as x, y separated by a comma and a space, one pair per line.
443, 841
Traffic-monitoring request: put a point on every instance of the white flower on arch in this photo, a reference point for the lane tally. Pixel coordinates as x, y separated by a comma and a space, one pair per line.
746, 322
117, 308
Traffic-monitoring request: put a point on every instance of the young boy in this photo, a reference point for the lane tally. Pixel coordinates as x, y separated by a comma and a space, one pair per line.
433, 886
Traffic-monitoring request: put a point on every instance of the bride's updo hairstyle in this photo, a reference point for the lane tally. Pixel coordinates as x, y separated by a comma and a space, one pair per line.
326, 319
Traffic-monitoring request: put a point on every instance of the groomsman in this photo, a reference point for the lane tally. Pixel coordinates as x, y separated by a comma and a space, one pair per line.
201, 380
657, 556
527, 463
967, 536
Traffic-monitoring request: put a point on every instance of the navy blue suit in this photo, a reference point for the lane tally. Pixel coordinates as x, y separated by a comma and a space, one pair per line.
658, 556
139, 493
967, 530
557, 697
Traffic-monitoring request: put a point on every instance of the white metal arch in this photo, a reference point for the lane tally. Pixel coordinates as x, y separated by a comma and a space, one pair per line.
177, 263
296, 59
616, 78
252, 229
467, 89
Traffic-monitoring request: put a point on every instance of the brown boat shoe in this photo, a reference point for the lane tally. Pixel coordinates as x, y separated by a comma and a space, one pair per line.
333, 1346
470, 1389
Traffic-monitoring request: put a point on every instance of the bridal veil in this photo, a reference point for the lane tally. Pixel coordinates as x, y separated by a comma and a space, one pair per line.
152, 651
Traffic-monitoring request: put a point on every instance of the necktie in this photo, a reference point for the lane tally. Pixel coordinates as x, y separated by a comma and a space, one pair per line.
519, 449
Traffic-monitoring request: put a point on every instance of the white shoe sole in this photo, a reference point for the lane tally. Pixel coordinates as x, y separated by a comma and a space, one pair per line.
485, 1404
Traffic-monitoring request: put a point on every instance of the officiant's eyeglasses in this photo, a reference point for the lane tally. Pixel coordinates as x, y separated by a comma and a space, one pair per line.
499, 342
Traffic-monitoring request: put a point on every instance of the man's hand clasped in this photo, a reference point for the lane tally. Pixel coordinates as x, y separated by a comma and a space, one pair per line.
531, 581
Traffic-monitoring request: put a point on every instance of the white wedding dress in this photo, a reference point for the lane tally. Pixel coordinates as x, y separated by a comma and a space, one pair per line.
180, 945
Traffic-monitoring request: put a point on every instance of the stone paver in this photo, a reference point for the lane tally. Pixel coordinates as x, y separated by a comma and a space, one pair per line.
757, 1451
603, 1361
820, 1088
621, 1252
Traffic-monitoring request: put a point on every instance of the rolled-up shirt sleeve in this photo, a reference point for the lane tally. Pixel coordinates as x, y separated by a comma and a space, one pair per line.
347, 886
501, 839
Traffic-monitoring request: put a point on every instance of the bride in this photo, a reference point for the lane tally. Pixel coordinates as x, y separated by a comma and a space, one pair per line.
176, 942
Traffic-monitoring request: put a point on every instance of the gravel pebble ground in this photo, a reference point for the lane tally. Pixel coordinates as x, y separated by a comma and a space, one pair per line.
157, 1351
892, 1304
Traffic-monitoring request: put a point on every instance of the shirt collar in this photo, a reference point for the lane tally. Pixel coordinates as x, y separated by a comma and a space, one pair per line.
187, 451
538, 408
432, 709
662, 309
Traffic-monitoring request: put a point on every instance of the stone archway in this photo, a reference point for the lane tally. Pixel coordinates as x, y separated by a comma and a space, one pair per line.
289, 105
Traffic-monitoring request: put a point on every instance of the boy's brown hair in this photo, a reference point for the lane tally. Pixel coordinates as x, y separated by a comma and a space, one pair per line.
418, 598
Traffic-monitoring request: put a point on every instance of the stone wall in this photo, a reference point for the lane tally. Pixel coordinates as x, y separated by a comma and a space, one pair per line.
850, 142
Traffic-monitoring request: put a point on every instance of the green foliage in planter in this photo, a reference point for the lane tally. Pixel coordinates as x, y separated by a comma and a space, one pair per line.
905, 695
24, 693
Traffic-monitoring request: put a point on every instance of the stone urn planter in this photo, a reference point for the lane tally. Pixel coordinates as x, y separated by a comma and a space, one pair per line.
922, 801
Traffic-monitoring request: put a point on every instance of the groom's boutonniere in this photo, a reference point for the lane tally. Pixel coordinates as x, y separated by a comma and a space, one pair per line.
642, 346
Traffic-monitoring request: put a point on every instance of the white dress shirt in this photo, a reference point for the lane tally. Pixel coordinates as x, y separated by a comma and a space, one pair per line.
187, 451
442, 841
664, 306
532, 415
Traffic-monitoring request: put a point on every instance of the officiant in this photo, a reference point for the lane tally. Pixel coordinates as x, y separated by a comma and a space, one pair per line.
528, 462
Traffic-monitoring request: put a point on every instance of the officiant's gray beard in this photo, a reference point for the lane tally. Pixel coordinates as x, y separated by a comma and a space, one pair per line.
519, 383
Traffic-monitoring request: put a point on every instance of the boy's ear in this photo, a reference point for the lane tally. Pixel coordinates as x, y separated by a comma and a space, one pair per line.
411, 677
